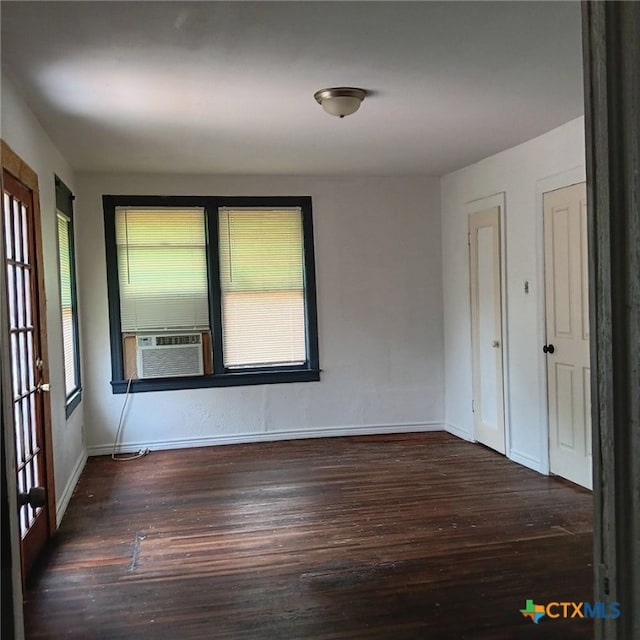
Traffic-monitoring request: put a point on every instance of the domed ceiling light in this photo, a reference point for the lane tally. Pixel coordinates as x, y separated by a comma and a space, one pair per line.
340, 101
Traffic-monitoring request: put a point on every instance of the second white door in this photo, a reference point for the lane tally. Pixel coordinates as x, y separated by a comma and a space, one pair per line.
486, 328
567, 347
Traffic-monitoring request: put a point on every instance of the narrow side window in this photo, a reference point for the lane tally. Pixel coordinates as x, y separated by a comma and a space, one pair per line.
68, 296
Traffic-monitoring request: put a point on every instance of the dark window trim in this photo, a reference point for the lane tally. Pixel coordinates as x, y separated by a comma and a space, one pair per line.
64, 204
216, 380
221, 377
73, 400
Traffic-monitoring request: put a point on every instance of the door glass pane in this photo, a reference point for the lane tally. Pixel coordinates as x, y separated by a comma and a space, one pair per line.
8, 227
26, 258
27, 288
11, 295
17, 232
20, 299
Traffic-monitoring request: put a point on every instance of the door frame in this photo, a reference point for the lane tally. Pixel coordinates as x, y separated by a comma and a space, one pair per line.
544, 185
476, 206
13, 164
611, 42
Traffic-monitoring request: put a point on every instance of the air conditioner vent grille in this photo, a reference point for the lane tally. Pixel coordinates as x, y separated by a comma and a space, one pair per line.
168, 356
162, 341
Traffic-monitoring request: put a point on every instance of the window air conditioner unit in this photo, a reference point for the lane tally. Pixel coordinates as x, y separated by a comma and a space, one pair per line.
167, 356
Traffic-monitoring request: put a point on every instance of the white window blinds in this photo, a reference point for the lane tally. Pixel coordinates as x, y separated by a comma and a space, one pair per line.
262, 287
162, 269
66, 302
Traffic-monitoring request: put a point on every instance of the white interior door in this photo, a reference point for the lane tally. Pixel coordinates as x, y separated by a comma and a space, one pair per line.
486, 328
567, 326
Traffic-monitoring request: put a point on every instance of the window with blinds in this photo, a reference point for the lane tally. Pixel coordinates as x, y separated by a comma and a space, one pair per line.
68, 302
162, 269
262, 287
237, 271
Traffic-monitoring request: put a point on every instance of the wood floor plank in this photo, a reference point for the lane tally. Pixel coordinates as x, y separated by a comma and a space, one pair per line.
387, 537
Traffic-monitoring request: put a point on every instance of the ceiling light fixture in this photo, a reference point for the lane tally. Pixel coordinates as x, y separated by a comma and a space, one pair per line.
340, 101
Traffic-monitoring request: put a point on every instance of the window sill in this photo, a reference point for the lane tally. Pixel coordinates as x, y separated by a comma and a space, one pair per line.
221, 380
73, 400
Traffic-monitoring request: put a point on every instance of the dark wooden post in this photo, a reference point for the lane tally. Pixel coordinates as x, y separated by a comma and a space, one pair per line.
611, 38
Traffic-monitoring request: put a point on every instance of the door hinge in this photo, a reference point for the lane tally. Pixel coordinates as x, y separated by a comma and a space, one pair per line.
473, 406
469, 239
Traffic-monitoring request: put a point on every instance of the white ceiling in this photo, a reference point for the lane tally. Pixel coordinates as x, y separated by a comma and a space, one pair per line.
227, 87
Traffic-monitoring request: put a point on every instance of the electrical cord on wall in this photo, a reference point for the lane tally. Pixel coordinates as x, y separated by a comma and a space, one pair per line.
125, 458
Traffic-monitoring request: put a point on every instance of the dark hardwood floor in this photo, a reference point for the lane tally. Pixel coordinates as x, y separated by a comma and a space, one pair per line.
394, 537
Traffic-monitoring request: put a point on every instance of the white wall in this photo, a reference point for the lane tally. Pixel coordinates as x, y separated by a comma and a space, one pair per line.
23, 133
379, 285
522, 173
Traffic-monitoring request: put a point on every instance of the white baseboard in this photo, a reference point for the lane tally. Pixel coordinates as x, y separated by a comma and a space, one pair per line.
526, 461
63, 503
460, 433
325, 432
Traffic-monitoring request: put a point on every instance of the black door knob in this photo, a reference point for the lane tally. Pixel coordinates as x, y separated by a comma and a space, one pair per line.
548, 348
36, 497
